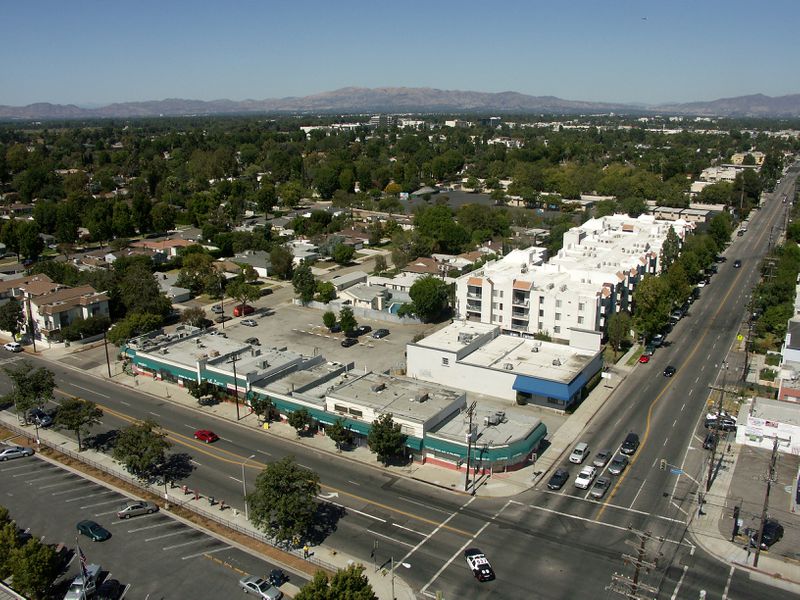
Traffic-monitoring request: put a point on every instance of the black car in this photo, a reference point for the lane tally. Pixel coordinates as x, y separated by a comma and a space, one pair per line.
773, 532
41, 418
380, 333
222, 318
110, 589
711, 441
253, 341
336, 328
93, 531
726, 423
478, 564
631, 443
558, 479
362, 329
347, 342
737, 263
669, 371
277, 577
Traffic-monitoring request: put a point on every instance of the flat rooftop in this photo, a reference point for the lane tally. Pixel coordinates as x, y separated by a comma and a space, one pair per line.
409, 399
310, 384
451, 338
534, 358
776, 410
505, 425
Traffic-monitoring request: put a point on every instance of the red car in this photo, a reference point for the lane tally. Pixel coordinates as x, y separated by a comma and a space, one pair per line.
644, 358
205, 435
243, 309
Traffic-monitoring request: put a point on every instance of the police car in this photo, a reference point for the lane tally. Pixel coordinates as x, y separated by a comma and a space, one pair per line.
477, 562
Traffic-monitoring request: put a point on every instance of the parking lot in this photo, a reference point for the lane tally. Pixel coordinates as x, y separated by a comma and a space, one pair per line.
153, 556
300, 329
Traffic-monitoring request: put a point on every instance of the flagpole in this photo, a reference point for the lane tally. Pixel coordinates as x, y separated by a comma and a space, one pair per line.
82, 561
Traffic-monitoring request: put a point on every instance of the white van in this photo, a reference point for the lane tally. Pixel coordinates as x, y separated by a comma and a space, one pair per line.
76, 589
579, 453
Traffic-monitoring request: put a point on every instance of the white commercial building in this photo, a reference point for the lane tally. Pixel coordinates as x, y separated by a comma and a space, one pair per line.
591, 277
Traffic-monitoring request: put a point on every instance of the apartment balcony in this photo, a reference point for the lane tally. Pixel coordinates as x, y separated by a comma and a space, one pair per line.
471, 306
519, 314
474, 295
519, 326
520, 301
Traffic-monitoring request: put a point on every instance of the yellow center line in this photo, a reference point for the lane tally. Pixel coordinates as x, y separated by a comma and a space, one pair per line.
222, 455
687, 360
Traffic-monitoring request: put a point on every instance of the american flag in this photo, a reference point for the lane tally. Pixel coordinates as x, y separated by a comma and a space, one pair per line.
82, 556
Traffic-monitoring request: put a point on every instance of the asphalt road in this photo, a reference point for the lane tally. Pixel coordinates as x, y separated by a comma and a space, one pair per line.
557, 545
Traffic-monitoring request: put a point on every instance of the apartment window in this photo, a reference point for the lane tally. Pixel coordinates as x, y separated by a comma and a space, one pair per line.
445, 362
581, 305
541, 299
541, 312
356, 413
580, 320
557, 329
339, 408
558, 303
558, 316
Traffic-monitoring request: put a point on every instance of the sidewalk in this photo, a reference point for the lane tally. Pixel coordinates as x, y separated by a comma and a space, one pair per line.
706, 530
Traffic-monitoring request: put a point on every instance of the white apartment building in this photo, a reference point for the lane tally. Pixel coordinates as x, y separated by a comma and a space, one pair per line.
593, 276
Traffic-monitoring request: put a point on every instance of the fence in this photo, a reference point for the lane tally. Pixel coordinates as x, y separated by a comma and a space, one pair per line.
182, 502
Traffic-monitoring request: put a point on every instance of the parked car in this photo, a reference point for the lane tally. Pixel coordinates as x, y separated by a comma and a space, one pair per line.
600, 487
669, 371
631, 443
13, 347
222, 318
205, 435
585, 477
134, 509
81, 589
644, 358
253, 341
249, 322
277, 577
336, 328
243, 309
618, 464
110, 589
260, 587
772, 534
579, 453
737, 263
41, 418
726, 422
347, 342
380, 333
9, 452
657, 340
479, 564
558, 479
362, 329
94, 531
217, 309
602, 457
711, 441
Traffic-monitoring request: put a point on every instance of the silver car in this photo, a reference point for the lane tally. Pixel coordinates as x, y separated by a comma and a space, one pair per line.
618, 465
134, 509
9, 452
260, 587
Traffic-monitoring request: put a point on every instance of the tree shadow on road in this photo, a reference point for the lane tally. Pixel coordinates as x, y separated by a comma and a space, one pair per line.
102, 442
325, 522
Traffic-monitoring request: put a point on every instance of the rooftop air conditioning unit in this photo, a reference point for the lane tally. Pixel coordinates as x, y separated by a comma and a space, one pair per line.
164, 351
535, 349
500, 416
421, 396
556, 362
264, 364
377, 387
508, 367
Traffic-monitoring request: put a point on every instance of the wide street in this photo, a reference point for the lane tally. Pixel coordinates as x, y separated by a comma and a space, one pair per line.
542, 543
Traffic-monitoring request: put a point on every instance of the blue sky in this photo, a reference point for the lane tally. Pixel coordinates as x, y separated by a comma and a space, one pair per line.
97, 52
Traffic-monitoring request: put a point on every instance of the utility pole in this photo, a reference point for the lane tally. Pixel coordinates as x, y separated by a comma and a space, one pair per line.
770, 480
470, 412
716, 429
632, 587
108, 361
235, 386
31, 324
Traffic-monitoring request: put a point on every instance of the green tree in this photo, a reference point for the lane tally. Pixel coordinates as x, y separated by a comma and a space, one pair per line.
283, 502
196, 272
194, 316
349, 583
304, 283
329, 319
720, 229
139, 292
12, 318
262, 406
9, 542
162, 217
300, 420
619, 330
243, 292
380, 265
32, 387
281, 260
430, 296
141, 448
346, 319
34, 567
386, 439
651, 306
133, 326
670, 249
30, 242
325, 291
249, 273
339, 434
342, 254
78, 416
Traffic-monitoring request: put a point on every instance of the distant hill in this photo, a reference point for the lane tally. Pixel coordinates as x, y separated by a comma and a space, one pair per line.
367, 100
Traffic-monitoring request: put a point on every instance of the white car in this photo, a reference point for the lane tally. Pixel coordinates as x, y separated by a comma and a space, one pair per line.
13, 347
585, 477
249, 322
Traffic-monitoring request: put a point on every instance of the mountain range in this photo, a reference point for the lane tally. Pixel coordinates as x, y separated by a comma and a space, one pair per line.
351, 100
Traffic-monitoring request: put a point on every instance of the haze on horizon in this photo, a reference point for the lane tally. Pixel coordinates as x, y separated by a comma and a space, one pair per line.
97, 53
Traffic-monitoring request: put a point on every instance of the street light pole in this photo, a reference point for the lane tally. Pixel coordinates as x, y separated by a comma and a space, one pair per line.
244, 487
108, 361
235, 386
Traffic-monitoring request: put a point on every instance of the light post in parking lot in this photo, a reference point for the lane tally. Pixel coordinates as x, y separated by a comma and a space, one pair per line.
244, 487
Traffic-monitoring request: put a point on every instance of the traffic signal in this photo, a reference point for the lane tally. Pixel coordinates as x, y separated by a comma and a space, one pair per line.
663, 464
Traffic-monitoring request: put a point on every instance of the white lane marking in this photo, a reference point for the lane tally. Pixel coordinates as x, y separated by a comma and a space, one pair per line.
147, 527
305, 466
353, 482
125, 403
422, 504
683, 406
409, 529
679, 508
90, 391
616, 506
166, 535
202, 539
728, 583
89, 496
115, 500
16, 468
155, 414
438, 527
680, 582
262, 452
52, 485
383, 535
58, 473
359, 512
61, 493
665, 441
641, 487
234, 478
673, 423
206, 552
226, 440
195, 462
190, 426
108, 512
467, 543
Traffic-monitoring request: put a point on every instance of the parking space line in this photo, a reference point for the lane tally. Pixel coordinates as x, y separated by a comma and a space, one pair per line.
206, 552
108, 512
201, 539
60, 473
90, 496
16, 468
100, 503
234, 478
143, 528
166, 535
61, 493
52, 485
